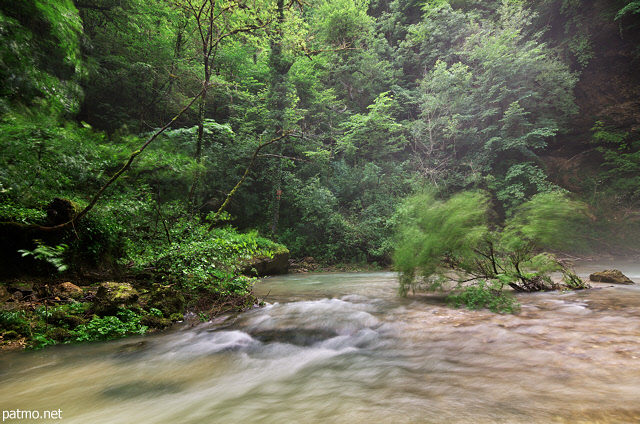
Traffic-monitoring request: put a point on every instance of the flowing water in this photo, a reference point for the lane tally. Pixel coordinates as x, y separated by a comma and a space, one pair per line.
342, 348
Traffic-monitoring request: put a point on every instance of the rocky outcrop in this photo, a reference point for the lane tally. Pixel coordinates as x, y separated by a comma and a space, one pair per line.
305, 265
167, 300
265, 265
111, 296
610, 276
68, 290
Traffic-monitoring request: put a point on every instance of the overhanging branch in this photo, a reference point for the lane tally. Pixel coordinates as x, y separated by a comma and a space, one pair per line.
284, 135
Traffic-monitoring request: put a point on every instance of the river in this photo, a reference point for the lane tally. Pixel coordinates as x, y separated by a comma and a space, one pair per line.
343, 348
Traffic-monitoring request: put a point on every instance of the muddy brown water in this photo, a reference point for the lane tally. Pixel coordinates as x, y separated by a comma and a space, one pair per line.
343, 348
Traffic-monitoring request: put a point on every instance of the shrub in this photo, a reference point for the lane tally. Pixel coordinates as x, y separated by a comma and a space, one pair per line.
484, 295
126, 322
438, 238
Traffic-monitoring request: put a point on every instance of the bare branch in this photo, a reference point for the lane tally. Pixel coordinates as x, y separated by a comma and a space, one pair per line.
122, 170
284, 135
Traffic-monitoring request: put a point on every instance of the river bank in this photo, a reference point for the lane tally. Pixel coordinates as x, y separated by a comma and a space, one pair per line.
38, 311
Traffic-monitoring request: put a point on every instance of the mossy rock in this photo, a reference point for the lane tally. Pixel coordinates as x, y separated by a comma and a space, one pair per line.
153, 321
4, 294
10, 335
166, 299
610, 276
61, 211
176, 317
268, 265
24, 288
112, 296
68, 291
72, 321
121, 293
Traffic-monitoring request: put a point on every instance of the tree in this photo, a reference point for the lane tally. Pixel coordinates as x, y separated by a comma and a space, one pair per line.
40, 55
138, 64
214, 22
374, 137
438, 237
500, 104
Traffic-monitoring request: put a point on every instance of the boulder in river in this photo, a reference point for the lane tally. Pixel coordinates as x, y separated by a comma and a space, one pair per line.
611, 276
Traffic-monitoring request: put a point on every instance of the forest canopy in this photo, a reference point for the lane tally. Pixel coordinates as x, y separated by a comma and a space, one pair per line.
309, 122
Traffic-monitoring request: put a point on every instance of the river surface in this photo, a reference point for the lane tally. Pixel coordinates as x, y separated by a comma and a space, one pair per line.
343, 348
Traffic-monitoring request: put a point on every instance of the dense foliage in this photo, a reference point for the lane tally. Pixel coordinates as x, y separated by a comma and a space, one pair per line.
196, 133
453, 239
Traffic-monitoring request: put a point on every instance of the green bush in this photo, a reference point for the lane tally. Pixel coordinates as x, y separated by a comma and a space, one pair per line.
484, 295
438, 238
14, 321
205, 261
125, 323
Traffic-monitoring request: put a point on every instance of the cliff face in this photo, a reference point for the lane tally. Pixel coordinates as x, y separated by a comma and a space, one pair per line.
609, 87
608, 90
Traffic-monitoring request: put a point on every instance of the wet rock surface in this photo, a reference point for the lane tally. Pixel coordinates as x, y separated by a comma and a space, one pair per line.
610, 276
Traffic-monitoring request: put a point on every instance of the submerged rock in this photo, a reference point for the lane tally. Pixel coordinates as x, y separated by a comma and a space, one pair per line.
610, 276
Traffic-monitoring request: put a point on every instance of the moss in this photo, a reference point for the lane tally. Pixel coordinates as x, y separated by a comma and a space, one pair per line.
63, 318
152, 321
111, 296
279, 250
61, 211
167, 300
176, 317
10, 335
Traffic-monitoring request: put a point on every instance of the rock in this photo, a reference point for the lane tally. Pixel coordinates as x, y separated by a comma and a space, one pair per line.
62, 318
61, 211
610, 276
68, 290
111, 296
264, 265
176, 317
166, 300
10, 335
60, 334
122, 293
4, 294
155, 322
25, 288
